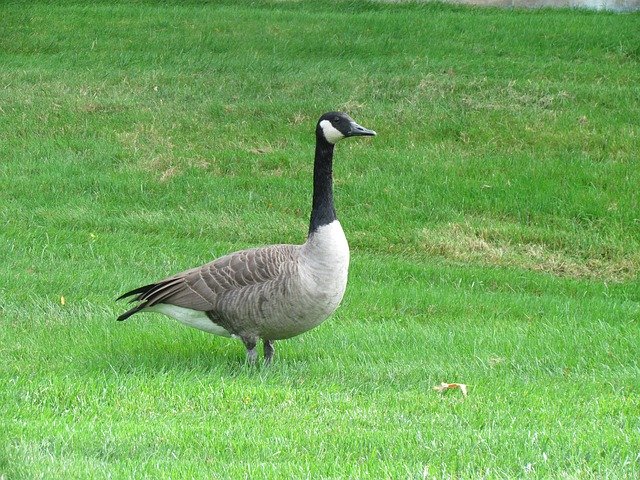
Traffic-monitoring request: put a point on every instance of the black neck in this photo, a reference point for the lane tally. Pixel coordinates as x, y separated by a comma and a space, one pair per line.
322, 210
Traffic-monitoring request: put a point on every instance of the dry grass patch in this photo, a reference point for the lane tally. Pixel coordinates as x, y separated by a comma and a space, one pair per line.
153, 150
513, 96
505, 244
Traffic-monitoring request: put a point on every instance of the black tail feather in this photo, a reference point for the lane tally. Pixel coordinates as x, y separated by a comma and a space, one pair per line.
137, 291
130, 312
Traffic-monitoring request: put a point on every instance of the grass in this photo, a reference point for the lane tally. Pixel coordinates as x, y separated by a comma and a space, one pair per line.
493, 223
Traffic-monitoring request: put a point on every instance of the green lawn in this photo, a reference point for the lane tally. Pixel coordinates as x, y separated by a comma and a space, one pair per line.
494, 224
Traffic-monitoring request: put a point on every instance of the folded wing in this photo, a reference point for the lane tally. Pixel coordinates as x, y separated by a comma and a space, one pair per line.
198, 288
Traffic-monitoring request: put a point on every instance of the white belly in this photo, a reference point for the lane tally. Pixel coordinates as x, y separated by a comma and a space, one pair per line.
192, 318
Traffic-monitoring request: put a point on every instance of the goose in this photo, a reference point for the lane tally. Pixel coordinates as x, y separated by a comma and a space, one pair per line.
273, 292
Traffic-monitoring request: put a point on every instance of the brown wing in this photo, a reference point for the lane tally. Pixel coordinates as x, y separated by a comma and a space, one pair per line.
198, 288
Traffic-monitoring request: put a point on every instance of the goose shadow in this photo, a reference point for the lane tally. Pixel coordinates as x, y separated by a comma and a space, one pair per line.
184, 353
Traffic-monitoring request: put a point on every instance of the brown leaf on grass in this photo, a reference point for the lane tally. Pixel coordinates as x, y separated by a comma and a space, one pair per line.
63, 302
443, 387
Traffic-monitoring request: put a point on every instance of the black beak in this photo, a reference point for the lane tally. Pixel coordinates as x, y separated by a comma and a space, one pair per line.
356, 130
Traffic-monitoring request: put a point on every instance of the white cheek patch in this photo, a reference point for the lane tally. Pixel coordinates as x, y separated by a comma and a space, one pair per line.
331, 133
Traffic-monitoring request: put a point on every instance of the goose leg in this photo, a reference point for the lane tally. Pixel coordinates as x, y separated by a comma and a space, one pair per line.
252, 354
268, 351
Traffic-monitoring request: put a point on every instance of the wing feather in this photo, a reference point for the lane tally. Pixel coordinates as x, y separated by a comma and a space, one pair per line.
199, 288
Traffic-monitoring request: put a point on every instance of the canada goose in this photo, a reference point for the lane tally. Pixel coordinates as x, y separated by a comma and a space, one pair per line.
273, 292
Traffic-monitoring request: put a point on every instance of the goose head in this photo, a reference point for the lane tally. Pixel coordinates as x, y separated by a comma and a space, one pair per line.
334, 126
